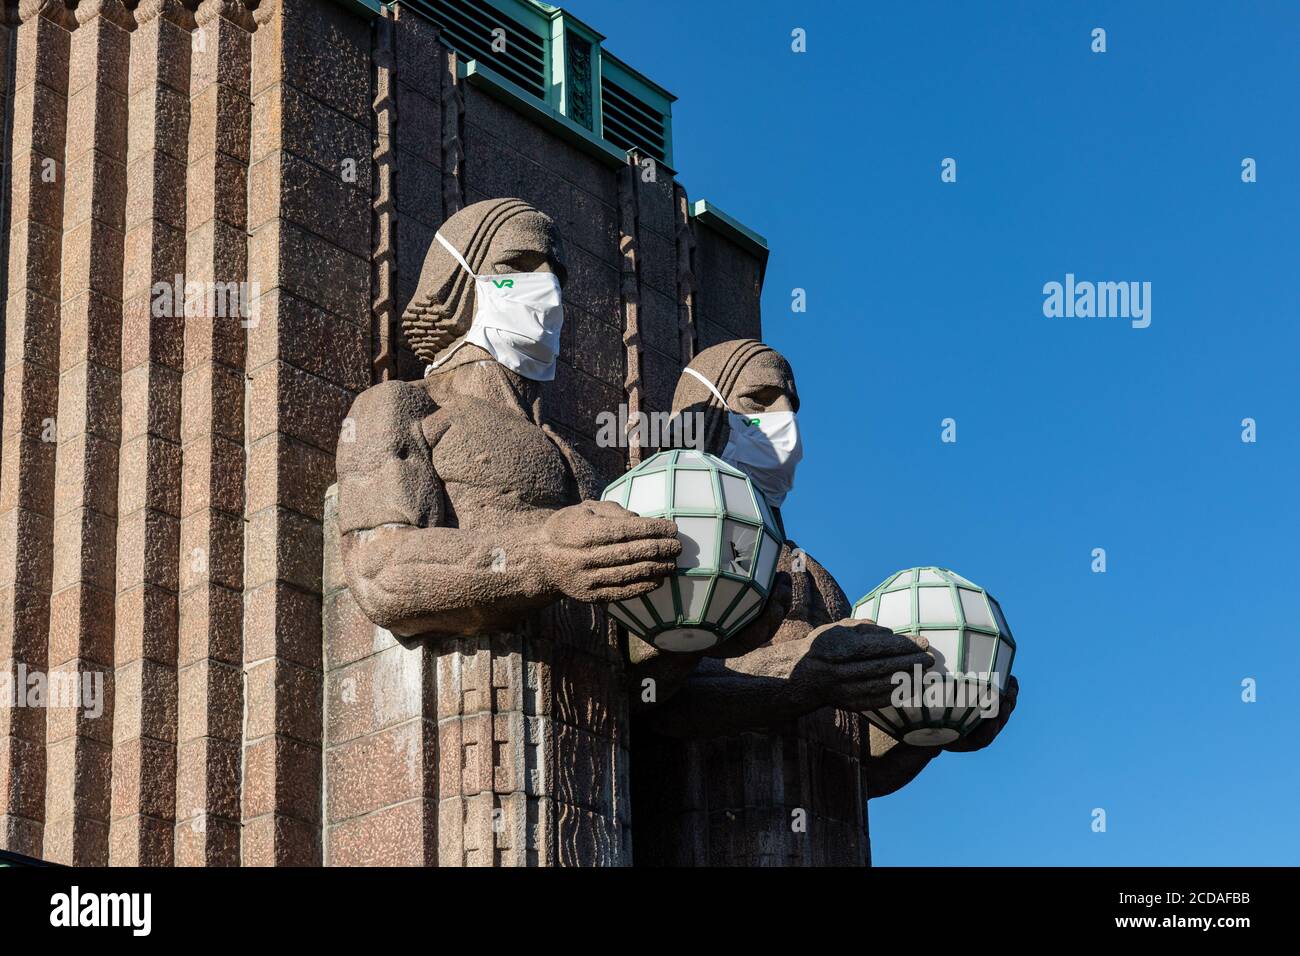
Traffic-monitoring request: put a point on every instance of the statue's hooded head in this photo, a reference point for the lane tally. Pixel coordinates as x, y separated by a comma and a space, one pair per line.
751, 376
495, 236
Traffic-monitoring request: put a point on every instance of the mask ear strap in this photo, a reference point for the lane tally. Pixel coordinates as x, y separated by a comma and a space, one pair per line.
442, 361
464, 265
455, 253
712, 388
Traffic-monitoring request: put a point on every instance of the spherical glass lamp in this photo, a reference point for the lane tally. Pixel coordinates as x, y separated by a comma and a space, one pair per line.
730, 545
969, 638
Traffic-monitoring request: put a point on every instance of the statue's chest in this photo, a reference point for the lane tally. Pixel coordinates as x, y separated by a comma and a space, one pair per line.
493, 463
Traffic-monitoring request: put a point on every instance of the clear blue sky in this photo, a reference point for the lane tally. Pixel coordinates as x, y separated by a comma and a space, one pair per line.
925, 302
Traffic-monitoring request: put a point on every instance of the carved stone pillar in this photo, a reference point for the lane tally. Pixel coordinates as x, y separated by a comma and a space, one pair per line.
31, 389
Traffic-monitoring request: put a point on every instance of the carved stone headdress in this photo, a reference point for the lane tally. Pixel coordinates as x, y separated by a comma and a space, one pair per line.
721, 364
443, 305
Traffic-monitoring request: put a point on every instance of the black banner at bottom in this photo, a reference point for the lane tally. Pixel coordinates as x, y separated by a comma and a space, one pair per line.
578, 907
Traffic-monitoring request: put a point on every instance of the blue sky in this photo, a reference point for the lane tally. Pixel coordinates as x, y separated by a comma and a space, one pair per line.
925, 302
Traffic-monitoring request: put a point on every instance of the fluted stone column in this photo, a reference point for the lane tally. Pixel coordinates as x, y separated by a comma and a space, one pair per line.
31, 388
210, 641
79, 744
149, 492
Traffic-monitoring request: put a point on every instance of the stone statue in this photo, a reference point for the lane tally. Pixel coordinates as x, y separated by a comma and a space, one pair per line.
459, 510
755, 752
469, 525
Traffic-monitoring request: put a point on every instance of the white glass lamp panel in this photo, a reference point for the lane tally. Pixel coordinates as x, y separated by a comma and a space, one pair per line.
690, 458
936, 715
895, 609
699, 538
913, 715
683, 640
694, 592
866, 610
735, 493
890, 716
997, 616
617, 494
721, 465
746, 604
930, 575
724, 592
661, 599
766, 512
972, 719
979, 653
739, 541
944, 646
649, 493
694, 490
766, 567
617, 613
935, 606
959, 715
905, 577
739, 622
1003, 665
975, 609
636, 611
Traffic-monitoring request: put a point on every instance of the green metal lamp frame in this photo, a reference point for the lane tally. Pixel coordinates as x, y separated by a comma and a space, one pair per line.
961, 719
764, 525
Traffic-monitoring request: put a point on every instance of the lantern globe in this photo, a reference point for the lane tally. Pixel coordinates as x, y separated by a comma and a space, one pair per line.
730, 545
969, 638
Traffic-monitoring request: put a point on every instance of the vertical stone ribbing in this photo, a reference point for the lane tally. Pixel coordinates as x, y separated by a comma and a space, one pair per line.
685, 237
6, 119
31, 387
210, 644
149, 489
79, 741
630, 294
309, 355
453, 139
384, 255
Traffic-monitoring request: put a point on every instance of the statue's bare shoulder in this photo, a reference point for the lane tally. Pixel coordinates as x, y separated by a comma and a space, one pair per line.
385, 472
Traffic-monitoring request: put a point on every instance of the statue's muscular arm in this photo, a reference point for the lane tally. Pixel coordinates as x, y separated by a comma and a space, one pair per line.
412, 574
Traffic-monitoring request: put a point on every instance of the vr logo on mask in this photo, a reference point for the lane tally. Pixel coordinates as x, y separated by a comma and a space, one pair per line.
517, 319
765, 446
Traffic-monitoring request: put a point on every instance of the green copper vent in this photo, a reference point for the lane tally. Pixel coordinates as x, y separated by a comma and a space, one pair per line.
518, 54
635, 114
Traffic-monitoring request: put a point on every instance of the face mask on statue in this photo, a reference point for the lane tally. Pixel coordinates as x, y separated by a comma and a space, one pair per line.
517, 319
764, 445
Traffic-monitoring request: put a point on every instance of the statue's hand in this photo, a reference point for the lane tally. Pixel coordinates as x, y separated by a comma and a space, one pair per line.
990, 727
598, 551
849, 663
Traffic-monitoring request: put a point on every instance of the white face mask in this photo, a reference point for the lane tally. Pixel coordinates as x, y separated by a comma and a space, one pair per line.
764, 445
517, 319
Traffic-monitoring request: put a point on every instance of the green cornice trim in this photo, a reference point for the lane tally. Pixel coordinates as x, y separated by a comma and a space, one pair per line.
710, 215
364, 7
497, 86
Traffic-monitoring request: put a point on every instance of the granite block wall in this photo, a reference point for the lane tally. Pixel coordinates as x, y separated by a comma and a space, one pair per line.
214, 213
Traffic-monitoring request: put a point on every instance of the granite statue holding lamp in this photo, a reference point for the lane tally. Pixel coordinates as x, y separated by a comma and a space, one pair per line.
462, 514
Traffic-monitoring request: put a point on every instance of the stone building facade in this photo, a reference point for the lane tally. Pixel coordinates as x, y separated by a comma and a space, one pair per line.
165, 471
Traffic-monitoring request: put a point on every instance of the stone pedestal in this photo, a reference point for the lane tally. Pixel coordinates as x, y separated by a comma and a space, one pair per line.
505, 749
